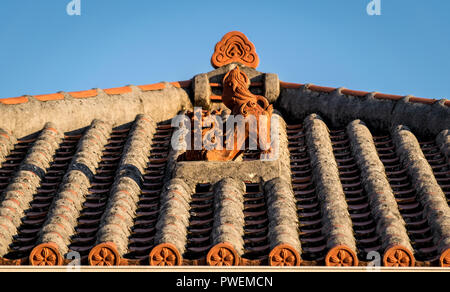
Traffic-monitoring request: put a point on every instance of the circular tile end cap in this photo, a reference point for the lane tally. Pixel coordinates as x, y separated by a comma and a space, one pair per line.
104, 254
222, 254
46, 254
398, 256
165, 254
341, 256
284, 255
445, 259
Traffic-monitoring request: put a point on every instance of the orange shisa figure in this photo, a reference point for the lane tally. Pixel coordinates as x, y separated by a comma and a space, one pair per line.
238, 98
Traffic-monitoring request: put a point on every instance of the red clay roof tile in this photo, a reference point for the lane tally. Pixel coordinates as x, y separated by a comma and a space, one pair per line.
84, 94
288, 85
320, 88
149, 87
422, 100
388, 96
354, 188
118, 90
14, 100
49, 97
187, 83
215, 98
353, 92
182, 84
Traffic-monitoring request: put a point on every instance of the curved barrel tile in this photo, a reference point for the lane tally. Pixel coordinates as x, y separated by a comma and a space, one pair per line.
430, 194
283, 235
172, 224
118, 219
19, 193
336, 220
390, 224
7, 141
62, 218
229, 221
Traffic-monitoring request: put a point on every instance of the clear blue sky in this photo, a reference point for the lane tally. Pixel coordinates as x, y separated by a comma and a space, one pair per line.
113, 43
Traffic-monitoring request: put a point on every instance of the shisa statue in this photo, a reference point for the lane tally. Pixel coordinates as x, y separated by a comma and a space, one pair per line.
238, 98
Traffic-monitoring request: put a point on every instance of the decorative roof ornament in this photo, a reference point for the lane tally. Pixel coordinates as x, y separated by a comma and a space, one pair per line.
238, 98
235, 47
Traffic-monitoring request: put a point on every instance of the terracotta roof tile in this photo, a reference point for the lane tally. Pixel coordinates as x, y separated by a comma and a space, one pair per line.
14, 100
388, 96
391, 228
424, 100
187, 83
75, 186
284, 243
216, 98
27, 180
228, 226
320, 88
289, 85
118, 90
7, 142
125, 194
150, 87
84, 94
49, 97
350, 193
336, 220
182, 84
429, 192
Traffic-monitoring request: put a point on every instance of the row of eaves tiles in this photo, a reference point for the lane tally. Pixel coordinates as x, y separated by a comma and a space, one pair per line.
115, 213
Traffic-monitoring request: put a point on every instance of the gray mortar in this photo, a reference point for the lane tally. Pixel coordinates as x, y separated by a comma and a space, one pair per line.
202, 91
256, 171
283, 146
390, 225
202, 88
429, 193
443, 142
19, 193
379, 114
173, 220
71, 113
121, 208
336, 221
229, 219
282, 214
217, 75
87, 153
65, 210
6, 144
271, 87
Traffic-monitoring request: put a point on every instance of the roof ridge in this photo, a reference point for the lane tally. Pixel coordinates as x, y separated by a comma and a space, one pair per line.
358, 93
187, 83
92, 92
